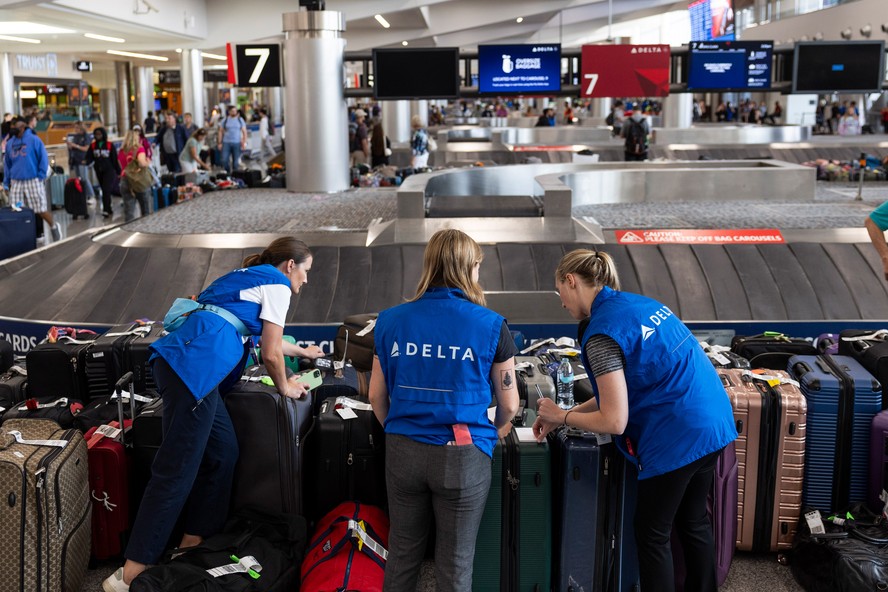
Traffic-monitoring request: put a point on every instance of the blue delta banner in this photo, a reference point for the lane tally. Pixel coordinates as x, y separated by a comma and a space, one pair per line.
525, 69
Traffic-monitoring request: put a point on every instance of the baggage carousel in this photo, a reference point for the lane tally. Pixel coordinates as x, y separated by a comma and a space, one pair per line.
823, 275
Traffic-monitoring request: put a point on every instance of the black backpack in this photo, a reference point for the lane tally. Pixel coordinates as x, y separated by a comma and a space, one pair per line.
609, 120
636, 138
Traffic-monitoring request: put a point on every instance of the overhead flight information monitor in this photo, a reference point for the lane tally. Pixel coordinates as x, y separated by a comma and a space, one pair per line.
426, 73
730, 65
625, 71
505, 69
711, 20
840, 66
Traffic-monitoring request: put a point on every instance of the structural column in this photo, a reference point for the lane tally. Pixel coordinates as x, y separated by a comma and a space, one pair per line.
421, 108
8, 103
143, 81
276, 104
192, 84
314, 104
396, 120
123, 96
108, 97
678, 110
600, 107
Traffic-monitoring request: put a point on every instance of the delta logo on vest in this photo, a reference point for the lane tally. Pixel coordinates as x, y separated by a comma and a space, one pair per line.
658, 317
428, 350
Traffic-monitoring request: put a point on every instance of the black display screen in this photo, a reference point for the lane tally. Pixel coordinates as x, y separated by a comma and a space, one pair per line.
846, 66
427, 73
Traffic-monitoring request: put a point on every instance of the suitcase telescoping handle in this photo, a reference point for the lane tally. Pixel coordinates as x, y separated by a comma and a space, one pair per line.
125, 380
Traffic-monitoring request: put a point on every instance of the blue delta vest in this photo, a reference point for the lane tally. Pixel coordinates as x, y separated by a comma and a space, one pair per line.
436, 354
207, 348
678, 409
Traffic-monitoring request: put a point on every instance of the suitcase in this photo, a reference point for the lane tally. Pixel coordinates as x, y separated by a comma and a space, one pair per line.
122, 349
770, 447
55, 189
13, 387
172, 180
18, 232
75, 198
7, 355
771, 350
878, 461
109, 480
46, 523
61, 411
345, 458
594, 491
270, 432
583, 390
250, 177
348, 550
56, 370
513, 550
842, 400
870, 348
534, 381
354, 341
723, 357
345, 382
103, 410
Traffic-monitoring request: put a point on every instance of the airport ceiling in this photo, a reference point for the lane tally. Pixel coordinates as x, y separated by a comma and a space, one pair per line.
422, 23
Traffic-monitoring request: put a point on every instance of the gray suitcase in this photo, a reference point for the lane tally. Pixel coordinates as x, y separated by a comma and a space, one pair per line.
534, 381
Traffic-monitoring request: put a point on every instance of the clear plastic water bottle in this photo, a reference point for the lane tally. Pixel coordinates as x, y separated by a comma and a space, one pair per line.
565, 388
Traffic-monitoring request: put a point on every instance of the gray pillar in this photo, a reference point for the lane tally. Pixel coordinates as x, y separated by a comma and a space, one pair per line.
314, 108
421, 108
600, 107
143, 81
108, 97
8, 104
396, 120
123, 96
276, 104
192, 84
678, 110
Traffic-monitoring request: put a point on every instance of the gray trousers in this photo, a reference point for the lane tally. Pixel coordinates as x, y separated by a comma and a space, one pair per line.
447, 482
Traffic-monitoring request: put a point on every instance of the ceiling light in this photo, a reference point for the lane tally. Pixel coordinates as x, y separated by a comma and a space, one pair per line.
178, 50
214, 56
866, 30
28, 28
104, 38
846, 33
19, 39
520, 19
131, 54
403, 43
381, 20
27, 94
818, 36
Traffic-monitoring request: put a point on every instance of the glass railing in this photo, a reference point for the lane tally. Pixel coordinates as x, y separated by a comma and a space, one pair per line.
763, 11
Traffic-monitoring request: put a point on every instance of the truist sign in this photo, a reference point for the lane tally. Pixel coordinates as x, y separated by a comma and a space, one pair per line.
40, 64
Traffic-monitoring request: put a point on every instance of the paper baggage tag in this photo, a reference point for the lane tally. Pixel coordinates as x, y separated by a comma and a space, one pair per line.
244, 565
346, 413
346, 402
580, 377
566, 342
720, 359
815, 522
18, 438
358, 531
107, 431
771, 379
536, 345
370, 325
604, 439
127, 395
63, 402
525, 435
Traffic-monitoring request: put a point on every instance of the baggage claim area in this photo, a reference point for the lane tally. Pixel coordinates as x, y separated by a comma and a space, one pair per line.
737, 228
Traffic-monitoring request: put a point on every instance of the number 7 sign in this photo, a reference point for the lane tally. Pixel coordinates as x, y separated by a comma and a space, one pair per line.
255, 65
625, 70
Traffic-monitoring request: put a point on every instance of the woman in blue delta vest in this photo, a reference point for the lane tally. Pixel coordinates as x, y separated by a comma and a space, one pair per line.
438, 359
659, 394
194, 467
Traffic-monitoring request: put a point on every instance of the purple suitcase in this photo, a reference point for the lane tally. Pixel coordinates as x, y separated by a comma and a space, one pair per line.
878, 463
827, 343
723, 512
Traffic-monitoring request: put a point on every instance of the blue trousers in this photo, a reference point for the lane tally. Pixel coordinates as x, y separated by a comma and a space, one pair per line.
231, 150
192, 472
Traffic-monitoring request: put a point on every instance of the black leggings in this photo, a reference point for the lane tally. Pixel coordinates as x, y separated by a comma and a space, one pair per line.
677, 497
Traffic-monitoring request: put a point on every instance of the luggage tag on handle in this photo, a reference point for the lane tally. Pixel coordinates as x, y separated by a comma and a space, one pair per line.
815, 522
604, 439
18, 438
370, 326
346, 413
359, 531
247, 565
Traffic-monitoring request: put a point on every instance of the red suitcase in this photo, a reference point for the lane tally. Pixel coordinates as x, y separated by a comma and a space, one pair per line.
347, 551
109, 482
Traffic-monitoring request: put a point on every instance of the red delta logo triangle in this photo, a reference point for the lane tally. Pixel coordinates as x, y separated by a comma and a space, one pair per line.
654, 81
631, 237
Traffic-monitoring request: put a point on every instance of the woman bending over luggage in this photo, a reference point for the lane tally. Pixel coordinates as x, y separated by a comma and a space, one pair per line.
193, 470
658, 394
437, 359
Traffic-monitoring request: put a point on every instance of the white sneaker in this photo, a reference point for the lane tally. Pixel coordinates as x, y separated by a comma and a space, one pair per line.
56, 232
114, 582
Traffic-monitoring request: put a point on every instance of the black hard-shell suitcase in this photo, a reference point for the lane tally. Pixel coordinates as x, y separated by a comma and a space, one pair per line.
18, 232
103, 410
75, 198
870, 348
13, 387
251, 177
771, 350
103, 361
270, 432
56, 370
345, 382
345, 459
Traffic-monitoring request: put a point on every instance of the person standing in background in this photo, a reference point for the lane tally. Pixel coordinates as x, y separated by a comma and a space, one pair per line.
78, 161
24, 173
232, 139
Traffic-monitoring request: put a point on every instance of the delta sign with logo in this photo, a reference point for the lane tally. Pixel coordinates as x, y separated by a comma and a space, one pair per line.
625, 71
525, 69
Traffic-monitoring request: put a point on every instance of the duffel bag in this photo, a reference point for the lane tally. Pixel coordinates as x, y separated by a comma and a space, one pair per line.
348, 550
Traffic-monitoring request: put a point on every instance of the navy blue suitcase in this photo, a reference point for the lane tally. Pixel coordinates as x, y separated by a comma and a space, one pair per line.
18, 232
842, 400
594, 494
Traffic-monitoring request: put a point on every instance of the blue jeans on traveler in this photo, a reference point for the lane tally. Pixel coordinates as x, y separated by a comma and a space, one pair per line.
450, 483
193, 469
130, 198
231, 150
